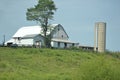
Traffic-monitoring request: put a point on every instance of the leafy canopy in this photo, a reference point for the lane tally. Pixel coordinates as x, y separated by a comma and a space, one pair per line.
42, 13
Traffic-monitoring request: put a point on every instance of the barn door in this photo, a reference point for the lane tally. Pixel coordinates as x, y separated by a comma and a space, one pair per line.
38, 44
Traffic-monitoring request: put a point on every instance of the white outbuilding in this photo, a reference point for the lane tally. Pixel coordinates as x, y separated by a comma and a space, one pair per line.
33, 36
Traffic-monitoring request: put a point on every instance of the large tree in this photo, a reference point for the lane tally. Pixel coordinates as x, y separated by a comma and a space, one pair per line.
42, 13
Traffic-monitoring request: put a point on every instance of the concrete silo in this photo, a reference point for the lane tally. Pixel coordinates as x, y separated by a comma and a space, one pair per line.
100, 37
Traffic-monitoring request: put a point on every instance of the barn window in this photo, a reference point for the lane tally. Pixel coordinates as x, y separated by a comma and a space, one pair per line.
62, 36
58, 29
58, 44
19, 38
65, 45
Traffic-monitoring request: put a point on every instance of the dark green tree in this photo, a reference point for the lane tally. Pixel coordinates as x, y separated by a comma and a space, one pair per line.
42, 13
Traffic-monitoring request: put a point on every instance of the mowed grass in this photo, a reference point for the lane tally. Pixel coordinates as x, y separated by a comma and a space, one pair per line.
55, 64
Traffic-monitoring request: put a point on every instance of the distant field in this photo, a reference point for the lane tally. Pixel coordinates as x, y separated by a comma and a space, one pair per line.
55, 64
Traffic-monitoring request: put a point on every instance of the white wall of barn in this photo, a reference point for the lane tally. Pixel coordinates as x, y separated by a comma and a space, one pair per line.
26, 42
59, 33
54, 44
39, 38
61, 44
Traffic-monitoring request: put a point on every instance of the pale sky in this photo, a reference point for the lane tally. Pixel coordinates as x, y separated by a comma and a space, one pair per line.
77, 17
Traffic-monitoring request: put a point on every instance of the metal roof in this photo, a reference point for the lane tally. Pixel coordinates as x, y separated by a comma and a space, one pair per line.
27, 31
61, 40
31, 30
30, 36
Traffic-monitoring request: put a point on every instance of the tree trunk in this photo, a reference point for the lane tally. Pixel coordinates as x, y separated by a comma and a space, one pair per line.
45, 32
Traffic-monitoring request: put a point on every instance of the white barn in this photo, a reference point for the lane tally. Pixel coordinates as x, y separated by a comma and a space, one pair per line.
32, 36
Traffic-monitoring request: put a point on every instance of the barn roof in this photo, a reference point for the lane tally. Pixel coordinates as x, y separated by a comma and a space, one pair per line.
31, 30
64, 41
30, 36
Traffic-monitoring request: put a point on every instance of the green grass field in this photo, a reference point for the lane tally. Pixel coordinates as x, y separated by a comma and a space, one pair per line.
55, 64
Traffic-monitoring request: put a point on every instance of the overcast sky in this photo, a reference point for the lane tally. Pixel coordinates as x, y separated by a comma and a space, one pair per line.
77, 17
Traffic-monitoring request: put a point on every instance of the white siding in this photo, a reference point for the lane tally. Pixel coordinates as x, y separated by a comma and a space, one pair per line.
39, 38
54, 44
61, 44
26, 42
59, 33
69, 45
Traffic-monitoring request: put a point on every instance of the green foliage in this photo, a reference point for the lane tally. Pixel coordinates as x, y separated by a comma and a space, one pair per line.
55, 64
42, 13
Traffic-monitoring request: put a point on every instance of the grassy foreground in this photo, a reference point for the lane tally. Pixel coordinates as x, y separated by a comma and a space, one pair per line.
51, 64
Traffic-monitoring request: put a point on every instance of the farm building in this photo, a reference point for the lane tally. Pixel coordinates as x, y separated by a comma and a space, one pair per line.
33, 36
